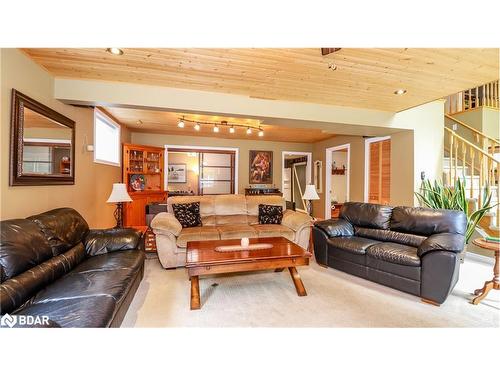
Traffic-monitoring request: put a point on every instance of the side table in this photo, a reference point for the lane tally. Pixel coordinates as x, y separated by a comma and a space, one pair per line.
492, 284
149, 238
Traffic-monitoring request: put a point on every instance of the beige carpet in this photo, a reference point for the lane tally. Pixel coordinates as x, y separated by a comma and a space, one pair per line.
335, 299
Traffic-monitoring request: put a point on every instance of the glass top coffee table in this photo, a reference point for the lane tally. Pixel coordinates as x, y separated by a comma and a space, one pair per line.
212, 257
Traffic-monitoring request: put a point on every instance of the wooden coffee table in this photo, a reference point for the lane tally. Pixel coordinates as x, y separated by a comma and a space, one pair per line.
202, 259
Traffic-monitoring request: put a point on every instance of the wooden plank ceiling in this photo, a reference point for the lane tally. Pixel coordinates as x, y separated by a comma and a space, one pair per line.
148, 121
363, 78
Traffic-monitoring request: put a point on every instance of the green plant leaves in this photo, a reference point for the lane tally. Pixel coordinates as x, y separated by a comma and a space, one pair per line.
438, 196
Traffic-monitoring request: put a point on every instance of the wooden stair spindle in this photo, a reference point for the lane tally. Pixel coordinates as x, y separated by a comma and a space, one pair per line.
450, 160
472, 155
481, 179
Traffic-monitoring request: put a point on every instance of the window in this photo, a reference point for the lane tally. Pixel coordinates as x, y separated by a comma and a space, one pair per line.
106, 140
217, 172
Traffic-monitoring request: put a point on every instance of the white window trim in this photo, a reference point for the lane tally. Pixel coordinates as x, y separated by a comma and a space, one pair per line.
328, 176
114, 123
368, 141
47, 140
236, 160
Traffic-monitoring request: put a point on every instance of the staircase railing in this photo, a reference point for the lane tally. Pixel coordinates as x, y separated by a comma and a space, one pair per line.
490, 145
486, 95
464, 154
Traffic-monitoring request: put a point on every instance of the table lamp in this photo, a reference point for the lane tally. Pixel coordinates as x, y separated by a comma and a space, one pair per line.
119, 195
310, 195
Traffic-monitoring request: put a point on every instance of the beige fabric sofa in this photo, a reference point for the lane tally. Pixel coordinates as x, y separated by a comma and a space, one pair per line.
224, 217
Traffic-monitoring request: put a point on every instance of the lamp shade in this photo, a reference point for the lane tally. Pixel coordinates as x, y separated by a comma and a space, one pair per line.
119, 194
310, 194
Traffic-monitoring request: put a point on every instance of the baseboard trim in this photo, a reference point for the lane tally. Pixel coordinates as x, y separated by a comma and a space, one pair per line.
479, 258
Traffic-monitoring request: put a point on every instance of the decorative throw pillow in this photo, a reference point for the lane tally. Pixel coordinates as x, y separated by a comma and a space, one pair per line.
269, 214
188, 214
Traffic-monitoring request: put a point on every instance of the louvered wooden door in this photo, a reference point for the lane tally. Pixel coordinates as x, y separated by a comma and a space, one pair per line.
379, 173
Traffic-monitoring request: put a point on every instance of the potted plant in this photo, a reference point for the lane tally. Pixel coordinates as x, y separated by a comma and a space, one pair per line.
439, 196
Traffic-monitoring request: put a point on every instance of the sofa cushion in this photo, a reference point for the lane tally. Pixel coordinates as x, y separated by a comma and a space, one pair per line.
63, 228
269, 214
273, 230
197, 234
22, 246
231, 219
366, 214
390, 236
395, 253
89, 283
353, 244
349, 249
126, 259
230, 204
85, 312
428, 221
102, 241
208, 220
253, 219
18, 289
230, 232
409, 272
188, 214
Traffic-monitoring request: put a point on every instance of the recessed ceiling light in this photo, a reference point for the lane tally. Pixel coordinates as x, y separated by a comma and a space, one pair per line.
400, 92
332, 66
197, 127
114, 51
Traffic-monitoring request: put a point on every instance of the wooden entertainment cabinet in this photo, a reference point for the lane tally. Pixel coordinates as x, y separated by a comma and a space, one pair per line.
143, 172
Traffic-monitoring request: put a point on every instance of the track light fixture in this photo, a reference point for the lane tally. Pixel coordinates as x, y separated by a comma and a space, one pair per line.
222, 124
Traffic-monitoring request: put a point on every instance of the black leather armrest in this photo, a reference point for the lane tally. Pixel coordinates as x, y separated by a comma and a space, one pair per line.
102, 241
442, 242
335, 227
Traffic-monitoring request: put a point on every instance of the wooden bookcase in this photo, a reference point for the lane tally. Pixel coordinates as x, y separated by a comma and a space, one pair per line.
143, 173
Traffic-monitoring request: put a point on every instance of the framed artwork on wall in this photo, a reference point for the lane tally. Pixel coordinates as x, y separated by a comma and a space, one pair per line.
177, 173
261, 167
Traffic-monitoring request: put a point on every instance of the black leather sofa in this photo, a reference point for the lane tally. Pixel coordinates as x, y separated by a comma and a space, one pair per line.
412, 249
52, 265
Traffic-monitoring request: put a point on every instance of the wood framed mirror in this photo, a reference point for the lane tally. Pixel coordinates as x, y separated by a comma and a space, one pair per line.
42, 144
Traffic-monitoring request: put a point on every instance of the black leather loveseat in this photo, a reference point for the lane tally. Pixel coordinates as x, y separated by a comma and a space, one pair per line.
415, 250
52, 265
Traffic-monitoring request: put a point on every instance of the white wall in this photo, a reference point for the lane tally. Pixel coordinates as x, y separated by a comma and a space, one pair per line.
416, 151
93, 182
